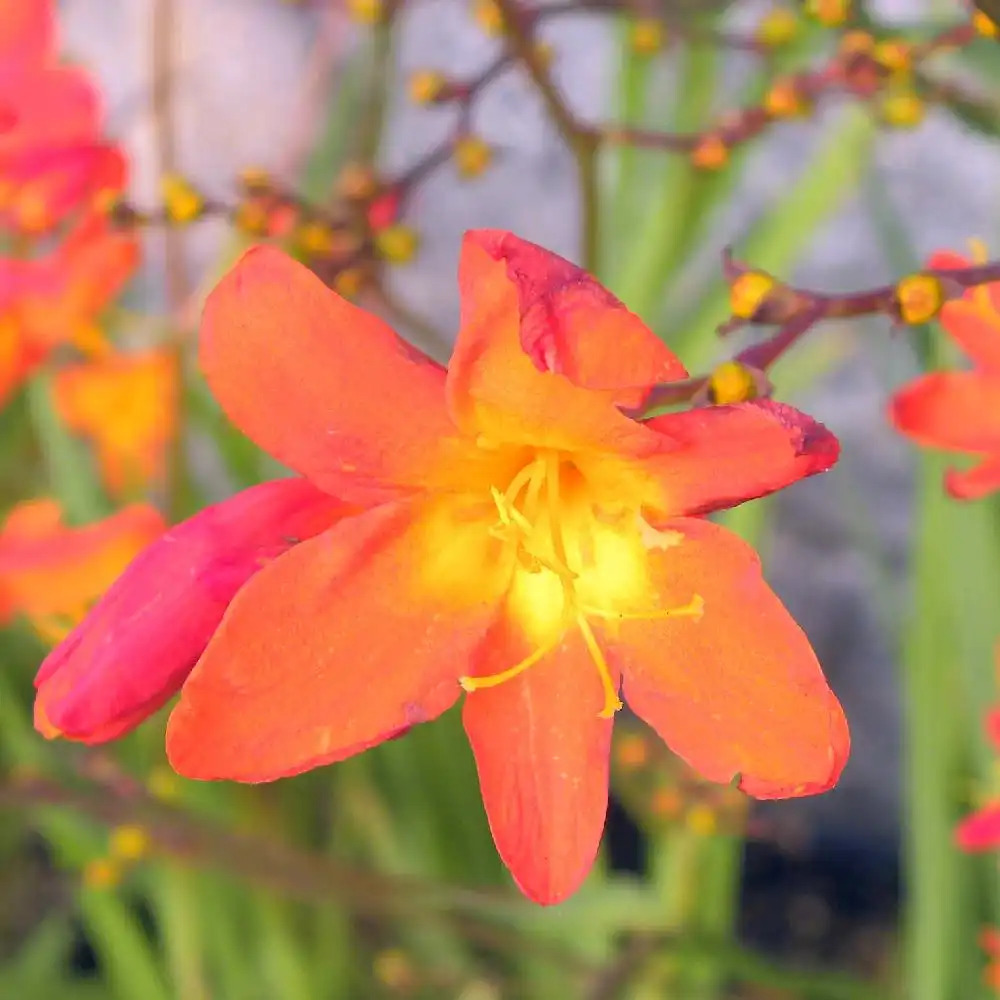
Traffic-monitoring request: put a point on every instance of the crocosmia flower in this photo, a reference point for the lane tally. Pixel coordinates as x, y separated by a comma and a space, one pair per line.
960, 410
516, 538
126, 404
50, 572
52, 159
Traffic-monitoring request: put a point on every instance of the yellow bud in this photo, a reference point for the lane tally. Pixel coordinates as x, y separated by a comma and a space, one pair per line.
784, 100
256, 179
777, 27
903, 109
393, 968
488, 16
128, 842
163, 784
366, 11
397, 244
251, 218
181, 200
711, 153
315, 238
666, 803
348, 282
731, 382
748, 292
919, 297
829, 13
702, 820
472, 156
894, 55
356, 182
985, 25
426, 86
856, 43
646, 36
632, 751
101, 873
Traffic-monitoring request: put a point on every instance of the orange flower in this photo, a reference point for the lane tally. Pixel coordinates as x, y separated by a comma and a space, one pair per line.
55, 299
960, 411
522, 540
127, 405
51, 573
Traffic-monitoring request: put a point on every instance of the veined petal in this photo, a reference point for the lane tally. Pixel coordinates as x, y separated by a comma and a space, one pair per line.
718, 456
331, 649
542, 754
981, 830
973, 321
139, 642
738, 691
545, 355
954, 410
323, 386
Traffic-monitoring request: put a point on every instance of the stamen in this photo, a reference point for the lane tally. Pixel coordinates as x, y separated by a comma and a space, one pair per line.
612, 703
694, 608
492, 680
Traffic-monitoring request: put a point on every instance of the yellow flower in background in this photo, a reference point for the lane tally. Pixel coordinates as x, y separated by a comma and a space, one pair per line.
51, 572
126, 404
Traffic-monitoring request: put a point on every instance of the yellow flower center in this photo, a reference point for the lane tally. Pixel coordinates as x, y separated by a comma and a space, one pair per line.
572, 560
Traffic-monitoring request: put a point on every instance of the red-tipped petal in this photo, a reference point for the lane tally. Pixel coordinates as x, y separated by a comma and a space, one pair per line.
542, 754
739, 690
981, 830
719, 456
545, 355
953, 410
323, 386
139, 642
334, 647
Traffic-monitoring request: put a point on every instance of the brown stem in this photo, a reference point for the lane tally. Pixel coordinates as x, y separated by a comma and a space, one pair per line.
582, 142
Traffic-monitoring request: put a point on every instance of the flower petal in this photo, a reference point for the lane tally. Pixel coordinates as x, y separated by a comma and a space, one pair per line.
953, 410
51, 572
974, 319
323, 386
51, 106
974, 483
738, 691
542, 754
27, 34
331, 649
716, 457
980, 831
973, 322
139, 642
545, 355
